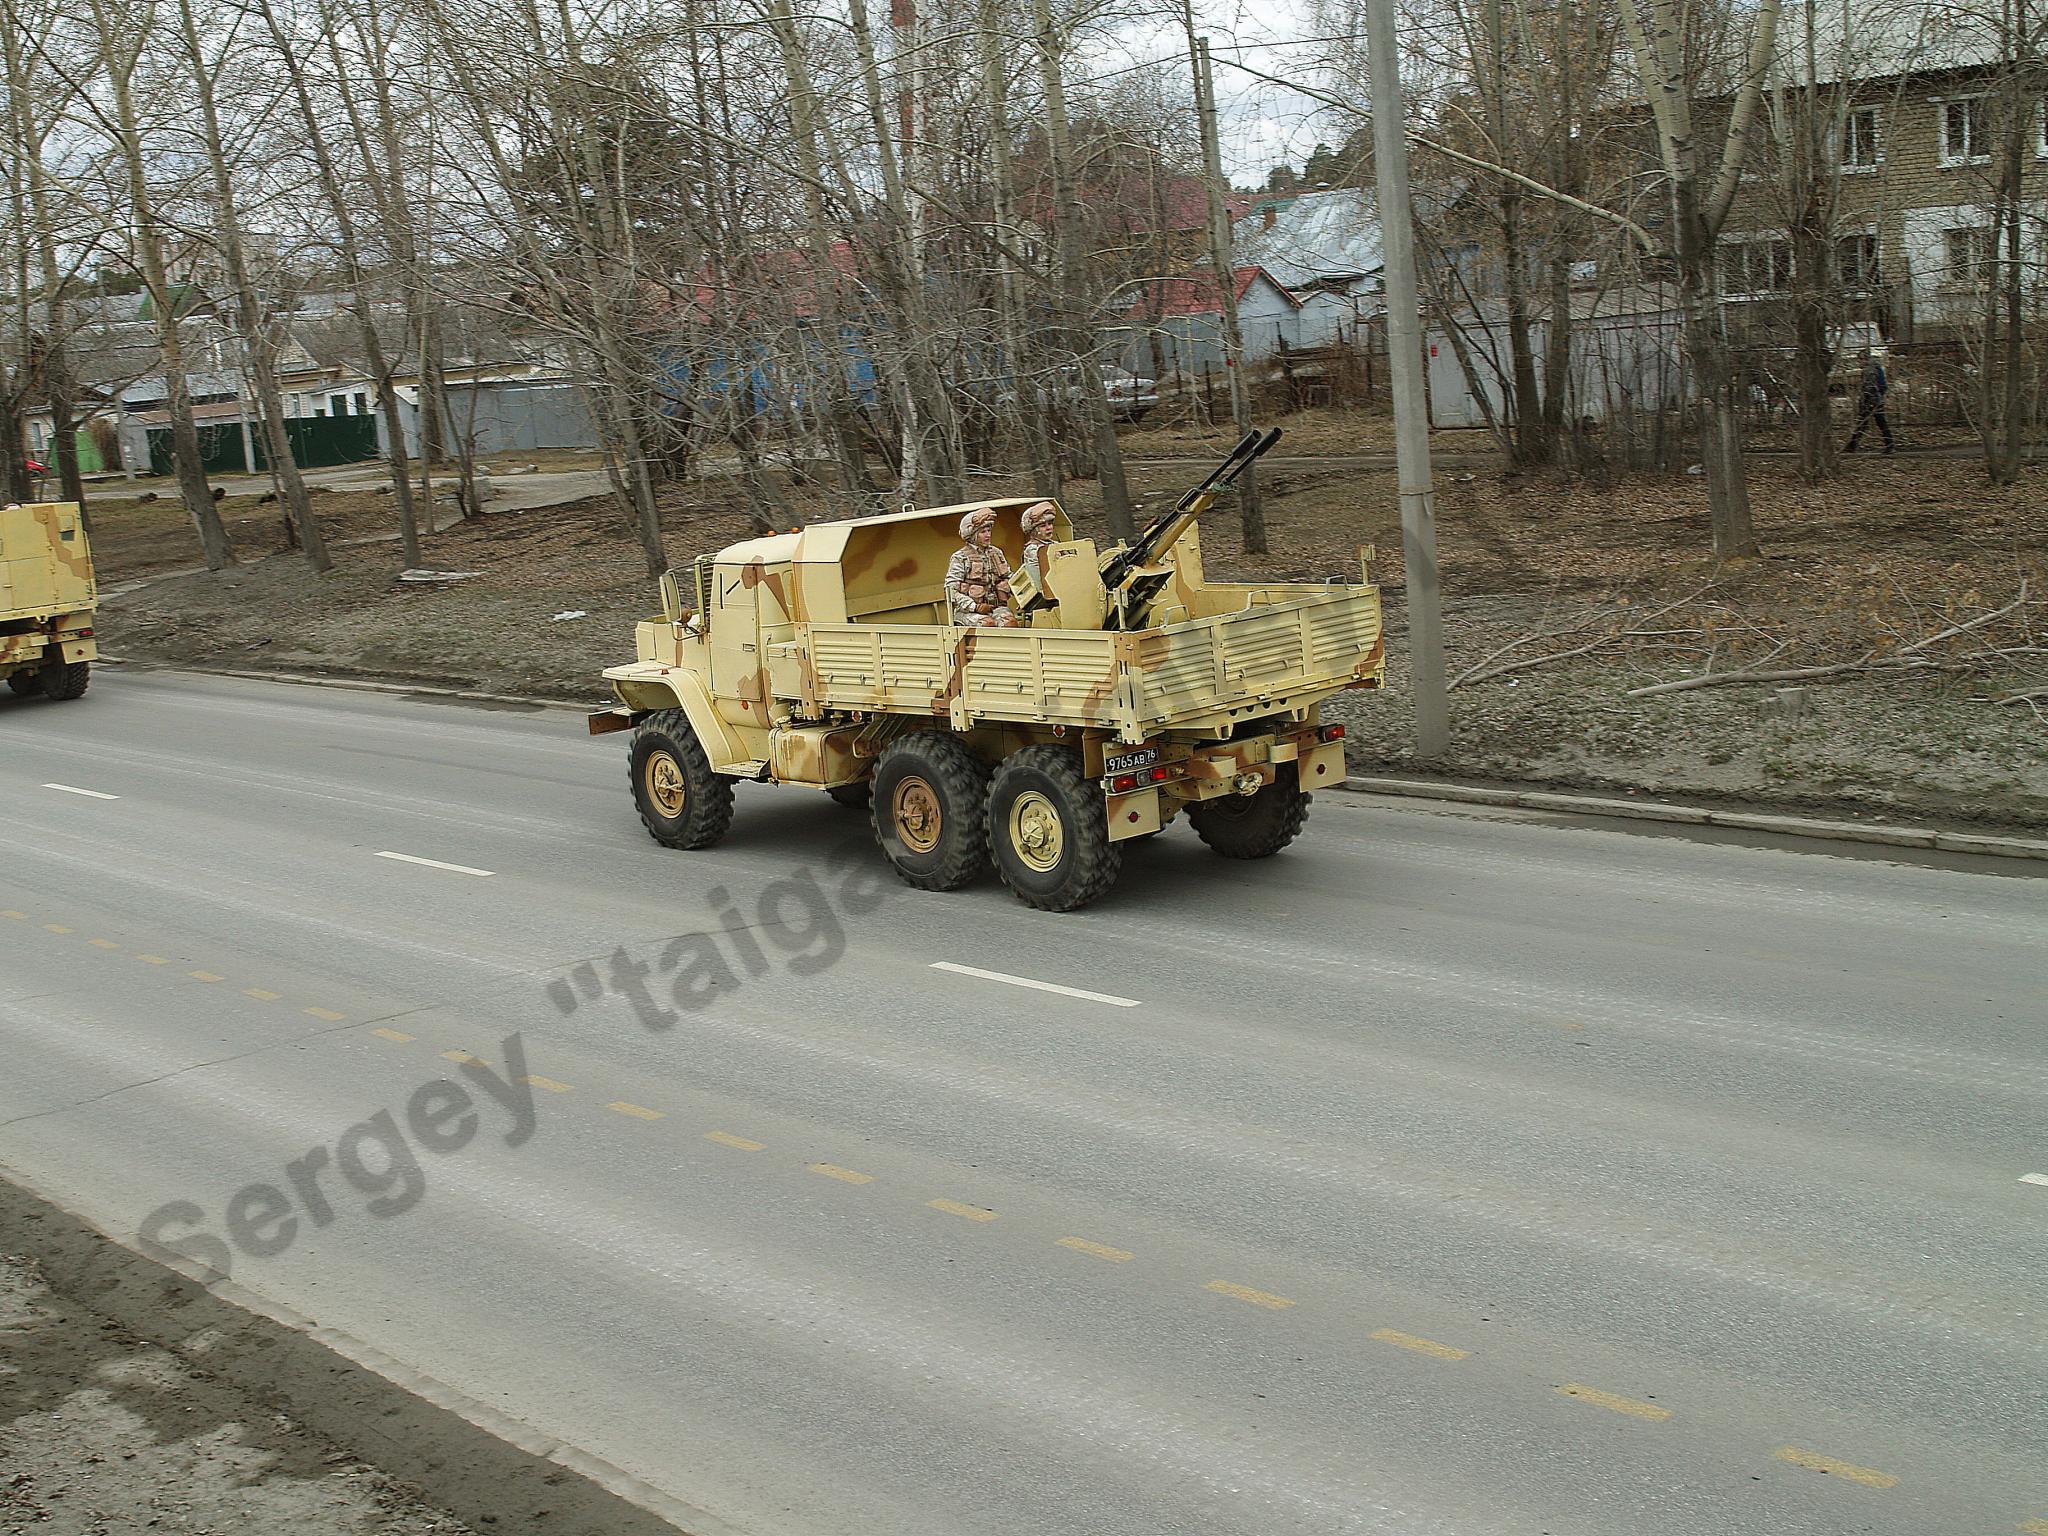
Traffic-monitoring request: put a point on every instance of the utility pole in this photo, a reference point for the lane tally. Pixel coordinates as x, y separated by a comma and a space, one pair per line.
1404, 363
1251, 511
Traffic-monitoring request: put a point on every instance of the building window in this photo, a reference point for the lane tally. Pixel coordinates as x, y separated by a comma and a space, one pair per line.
1856, 261
338, 404
1965, 133
1859, 140
1756, 266
1966, 255
362, 405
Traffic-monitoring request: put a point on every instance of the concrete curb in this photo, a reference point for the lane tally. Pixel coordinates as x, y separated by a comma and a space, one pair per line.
1702, 816
358, 684
482, 1465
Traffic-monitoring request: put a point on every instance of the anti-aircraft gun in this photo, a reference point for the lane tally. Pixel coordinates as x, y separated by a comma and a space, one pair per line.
1132, 575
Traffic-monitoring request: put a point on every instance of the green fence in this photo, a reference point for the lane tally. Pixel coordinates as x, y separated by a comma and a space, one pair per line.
315, 441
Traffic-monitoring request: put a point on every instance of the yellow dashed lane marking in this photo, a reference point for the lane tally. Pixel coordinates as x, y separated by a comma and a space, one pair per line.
19, 917
1608, 1400
55, 928
205, 976
1813, 1461
102, 943
2035, 1527
326, 1013
1100, 1250
398, 1036
738, 1143
153, 959
955, 1208
635, 1110
260, 995
1246, 1293
550, 1085
844, 1175
1421, 1346
458, 1057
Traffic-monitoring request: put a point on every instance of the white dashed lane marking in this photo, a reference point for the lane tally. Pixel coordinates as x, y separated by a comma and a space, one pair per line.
90, 794
454, 869
1036, 986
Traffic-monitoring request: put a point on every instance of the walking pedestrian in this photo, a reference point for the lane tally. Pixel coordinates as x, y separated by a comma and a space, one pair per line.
1870, 400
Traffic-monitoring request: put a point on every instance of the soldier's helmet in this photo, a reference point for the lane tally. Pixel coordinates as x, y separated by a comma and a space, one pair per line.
975, 521
1038, 520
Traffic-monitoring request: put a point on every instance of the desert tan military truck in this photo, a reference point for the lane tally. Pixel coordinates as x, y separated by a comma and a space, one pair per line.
46, 600
1131, 689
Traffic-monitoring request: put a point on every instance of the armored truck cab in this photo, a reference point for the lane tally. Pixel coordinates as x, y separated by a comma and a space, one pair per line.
47, 597
829, 658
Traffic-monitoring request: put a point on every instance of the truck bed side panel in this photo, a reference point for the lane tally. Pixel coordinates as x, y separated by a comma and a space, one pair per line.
1312, 644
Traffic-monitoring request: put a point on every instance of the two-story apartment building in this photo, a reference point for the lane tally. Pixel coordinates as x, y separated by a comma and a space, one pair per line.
1915, 103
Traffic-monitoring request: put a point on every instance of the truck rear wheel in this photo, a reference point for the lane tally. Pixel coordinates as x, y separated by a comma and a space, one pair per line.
25, 683
62, 680
682, 803
1253, 826
1049, 830
929, 791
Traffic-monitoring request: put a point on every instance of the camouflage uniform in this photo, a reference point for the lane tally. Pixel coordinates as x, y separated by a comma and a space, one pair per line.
1038, 531
978, 576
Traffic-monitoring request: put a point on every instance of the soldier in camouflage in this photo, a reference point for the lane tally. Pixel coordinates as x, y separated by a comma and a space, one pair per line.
978, 575
1038, 523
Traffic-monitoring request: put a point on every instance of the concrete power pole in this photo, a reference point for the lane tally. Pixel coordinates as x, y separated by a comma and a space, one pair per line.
1404, 361
1250, 510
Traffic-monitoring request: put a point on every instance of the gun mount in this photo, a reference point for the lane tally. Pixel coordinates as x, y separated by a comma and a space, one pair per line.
1134, 576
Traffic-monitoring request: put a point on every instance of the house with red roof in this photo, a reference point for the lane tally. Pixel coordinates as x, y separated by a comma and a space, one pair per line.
1175, 324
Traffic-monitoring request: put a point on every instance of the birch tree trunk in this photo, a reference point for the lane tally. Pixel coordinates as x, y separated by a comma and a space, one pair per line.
1076, 288
250, 323
121, 40
1667, 65
350, 246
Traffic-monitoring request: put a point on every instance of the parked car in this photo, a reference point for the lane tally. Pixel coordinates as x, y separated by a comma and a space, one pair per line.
1130, 395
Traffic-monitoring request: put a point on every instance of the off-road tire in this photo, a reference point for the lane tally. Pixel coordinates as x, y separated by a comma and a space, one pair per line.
855, 797
932, 770
26, 684
1085, 863
65, 680
1255, 826
682, 803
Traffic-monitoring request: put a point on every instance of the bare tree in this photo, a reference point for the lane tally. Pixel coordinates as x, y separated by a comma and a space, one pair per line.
1664, 38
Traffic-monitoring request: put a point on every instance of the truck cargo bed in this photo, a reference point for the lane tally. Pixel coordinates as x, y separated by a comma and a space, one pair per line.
1259, 657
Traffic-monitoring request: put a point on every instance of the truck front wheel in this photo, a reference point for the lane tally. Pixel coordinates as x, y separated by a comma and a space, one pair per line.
1253, 826
927, 810
682, 803
1049, 830
65, 680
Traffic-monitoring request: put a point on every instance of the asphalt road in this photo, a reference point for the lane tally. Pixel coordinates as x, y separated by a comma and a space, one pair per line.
1451, 1173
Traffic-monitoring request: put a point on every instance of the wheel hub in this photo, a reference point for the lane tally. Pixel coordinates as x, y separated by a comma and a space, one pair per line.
665, 784
1036, 831
915, 807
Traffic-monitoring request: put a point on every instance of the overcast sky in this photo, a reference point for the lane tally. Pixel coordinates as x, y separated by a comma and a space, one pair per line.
1262, 124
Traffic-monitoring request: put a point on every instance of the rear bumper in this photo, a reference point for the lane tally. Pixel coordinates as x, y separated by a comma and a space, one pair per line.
70, 635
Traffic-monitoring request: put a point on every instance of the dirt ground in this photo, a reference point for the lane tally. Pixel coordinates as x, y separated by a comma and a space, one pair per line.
1869, 565
102, 1434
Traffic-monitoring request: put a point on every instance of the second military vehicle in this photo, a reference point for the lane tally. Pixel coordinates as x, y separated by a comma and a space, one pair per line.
1133, 688
46, 600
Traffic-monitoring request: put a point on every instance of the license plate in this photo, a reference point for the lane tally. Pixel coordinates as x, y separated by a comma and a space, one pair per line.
1129, 762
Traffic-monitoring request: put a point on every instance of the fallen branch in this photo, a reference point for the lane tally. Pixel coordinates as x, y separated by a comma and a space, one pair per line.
1784, 675
1963, 629
1480, 671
